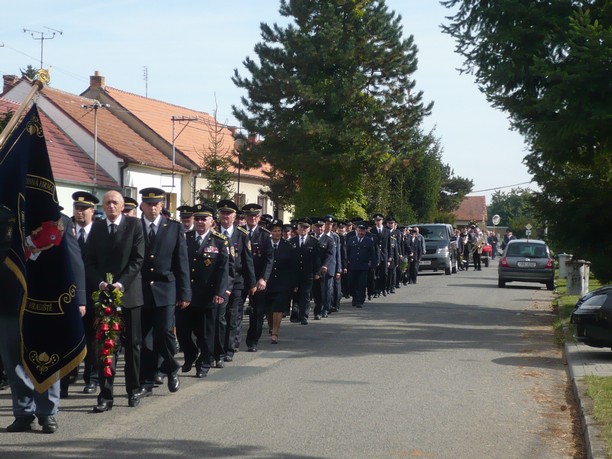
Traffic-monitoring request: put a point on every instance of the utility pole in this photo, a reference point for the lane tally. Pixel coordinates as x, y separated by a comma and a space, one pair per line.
95, 106
145, 77
174, 137
42, 36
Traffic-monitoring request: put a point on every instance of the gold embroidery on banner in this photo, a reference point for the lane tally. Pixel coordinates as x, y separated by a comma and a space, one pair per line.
43, 361
54, 308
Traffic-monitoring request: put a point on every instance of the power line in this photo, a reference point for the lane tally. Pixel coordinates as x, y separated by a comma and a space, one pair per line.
42, 36
501, 187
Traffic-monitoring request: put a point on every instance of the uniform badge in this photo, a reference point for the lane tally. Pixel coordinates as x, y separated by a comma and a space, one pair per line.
232, 251
207, 262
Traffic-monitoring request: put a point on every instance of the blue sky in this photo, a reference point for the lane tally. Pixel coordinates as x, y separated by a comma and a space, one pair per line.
191, 48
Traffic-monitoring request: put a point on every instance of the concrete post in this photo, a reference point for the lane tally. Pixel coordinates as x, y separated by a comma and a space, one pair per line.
578, 277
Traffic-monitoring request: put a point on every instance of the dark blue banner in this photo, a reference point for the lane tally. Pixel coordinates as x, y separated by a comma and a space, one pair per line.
53, 341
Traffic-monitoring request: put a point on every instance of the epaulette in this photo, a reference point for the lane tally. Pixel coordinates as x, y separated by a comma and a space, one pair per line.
265, 230
219, 235
312, 236
240, 228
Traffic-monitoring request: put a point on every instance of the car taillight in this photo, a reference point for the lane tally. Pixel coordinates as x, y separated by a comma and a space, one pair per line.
550, 264
503, 262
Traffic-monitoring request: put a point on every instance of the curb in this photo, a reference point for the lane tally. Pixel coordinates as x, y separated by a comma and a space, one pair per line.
594, 445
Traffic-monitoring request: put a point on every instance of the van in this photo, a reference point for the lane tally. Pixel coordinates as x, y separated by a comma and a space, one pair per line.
440, 247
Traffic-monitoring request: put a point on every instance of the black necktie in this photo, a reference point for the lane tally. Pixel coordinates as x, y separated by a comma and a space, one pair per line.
276, 246
199, 240
225, 233
82, 238
113, 230
301, 241
151, 233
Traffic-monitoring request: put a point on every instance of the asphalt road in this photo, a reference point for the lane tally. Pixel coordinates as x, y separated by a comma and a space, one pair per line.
452, 367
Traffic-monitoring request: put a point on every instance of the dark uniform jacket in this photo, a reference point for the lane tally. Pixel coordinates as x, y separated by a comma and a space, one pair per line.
241, 256
361, 256
209, 267
308, 258
121, 255
394, 252
383, 243
327, 252
284, 275
165, 271
263, 256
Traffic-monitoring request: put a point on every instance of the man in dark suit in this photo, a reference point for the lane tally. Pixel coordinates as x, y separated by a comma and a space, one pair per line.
210, 280
263, 260
243, 274
165, 285
327, 253
382, 239
83, 208
116, 246
361, 258
308, 266
334, 269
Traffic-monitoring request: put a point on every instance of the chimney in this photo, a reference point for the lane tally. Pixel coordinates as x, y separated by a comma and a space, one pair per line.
10, 81
97, 81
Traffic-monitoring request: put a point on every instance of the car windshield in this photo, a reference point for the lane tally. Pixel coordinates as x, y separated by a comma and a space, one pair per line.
527, 250
434, 233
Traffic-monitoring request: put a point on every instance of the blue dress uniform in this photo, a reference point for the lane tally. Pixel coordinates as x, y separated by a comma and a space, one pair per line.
382, 239
361, 257
210, 277
165, 281
327, 252
308, 264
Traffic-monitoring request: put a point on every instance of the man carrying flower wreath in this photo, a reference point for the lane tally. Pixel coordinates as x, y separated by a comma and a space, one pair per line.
115, 253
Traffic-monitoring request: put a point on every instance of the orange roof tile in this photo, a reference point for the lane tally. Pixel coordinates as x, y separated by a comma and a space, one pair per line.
68, 162
112, 132
472, 208
194, 139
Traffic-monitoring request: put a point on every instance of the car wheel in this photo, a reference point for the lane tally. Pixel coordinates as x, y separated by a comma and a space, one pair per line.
501, 283
447, 271
486, 260
550, 285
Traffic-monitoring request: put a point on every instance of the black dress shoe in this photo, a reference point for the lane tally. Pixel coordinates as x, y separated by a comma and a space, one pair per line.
48, 423
228, 358
201, 373
219, 364
325, 315
173, 383
136, 396
318, 317
252, 348
304, 321
186, 368
333, 310
21, 424
158, 379
102, 406
360, 305
90, 388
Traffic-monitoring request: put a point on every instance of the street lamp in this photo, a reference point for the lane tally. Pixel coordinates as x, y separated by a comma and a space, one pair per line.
239, 144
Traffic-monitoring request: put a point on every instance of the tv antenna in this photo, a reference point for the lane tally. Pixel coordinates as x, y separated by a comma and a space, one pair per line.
42, 36
145, 77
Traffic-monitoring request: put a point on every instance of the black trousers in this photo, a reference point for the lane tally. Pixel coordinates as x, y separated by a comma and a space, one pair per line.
220, 326
132, 338
199, 322
158, 343
233, 319
256, 318
413, 271
358, 281
316, 295
303, 298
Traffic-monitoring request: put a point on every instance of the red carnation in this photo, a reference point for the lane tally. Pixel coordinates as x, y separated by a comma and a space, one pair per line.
108, 372
115, 326
105, 351
109, 343
108, 361
104, 327
108, 310
99, 336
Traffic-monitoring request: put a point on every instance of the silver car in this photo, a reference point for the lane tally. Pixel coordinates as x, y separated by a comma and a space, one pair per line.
526, 260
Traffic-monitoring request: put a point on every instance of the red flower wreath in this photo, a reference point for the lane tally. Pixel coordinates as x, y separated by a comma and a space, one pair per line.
108, 322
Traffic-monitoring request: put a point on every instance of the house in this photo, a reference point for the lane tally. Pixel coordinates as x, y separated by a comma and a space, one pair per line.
472, 209
187, 136
120, 154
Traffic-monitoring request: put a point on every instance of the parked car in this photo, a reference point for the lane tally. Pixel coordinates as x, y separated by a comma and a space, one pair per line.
440, 252
526, 260
592, 316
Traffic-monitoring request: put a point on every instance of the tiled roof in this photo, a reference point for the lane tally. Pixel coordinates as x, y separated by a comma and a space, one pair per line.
68, 162
472, 208
194, 138
112, 132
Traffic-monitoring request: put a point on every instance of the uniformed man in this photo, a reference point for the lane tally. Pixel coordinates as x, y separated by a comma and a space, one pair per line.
263, 259
210, 279
334, 270
327, 253
165, 286
243, 274
382, 239
130, 207
186, 217
83, 207
308, 266
361, 258
394, 255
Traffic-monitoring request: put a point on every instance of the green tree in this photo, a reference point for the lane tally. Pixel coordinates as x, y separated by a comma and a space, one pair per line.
29, 72
516, 209
330, 94
548, 65
5, 118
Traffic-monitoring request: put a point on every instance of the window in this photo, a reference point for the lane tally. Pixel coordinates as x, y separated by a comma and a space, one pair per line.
263, 202
204, 195
130, 192
240, 199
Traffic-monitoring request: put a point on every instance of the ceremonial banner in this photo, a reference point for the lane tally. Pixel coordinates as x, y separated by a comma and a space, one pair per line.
52, 336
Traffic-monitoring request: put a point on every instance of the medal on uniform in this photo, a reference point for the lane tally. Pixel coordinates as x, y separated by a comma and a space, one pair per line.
207, 262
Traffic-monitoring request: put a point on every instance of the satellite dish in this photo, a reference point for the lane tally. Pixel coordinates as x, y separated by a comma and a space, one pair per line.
496, 220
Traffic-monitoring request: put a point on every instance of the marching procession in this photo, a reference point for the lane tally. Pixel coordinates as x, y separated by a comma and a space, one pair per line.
156, 286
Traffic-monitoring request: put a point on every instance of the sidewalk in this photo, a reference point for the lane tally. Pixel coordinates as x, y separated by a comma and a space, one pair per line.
582, 361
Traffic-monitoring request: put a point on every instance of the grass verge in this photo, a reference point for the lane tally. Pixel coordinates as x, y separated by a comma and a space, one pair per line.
599, 388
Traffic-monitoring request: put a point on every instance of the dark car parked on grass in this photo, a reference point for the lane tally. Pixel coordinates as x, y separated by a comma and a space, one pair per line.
526, 260
592, 316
